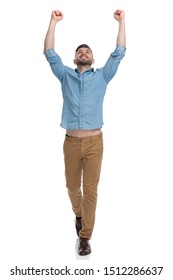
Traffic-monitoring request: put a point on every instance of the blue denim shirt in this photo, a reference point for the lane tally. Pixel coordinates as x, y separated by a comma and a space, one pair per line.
83, 94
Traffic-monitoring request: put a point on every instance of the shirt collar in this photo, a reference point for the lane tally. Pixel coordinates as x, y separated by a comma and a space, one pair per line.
90, 70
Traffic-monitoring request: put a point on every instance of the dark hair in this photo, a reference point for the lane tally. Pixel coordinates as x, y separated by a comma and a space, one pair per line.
83, 46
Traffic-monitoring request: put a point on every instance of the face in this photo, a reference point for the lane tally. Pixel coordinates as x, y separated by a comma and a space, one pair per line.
84, 57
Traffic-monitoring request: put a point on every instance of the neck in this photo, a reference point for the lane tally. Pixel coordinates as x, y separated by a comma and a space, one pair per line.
83, 68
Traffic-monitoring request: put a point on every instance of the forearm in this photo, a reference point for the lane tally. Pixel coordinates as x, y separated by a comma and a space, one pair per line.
121, 38
49, 41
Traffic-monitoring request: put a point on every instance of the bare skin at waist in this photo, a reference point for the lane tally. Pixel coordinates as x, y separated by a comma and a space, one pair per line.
83, 133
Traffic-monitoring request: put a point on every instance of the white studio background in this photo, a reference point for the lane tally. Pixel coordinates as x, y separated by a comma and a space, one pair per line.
134, 214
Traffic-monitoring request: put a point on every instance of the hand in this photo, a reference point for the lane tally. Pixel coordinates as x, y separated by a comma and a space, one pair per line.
57, 15
119, 15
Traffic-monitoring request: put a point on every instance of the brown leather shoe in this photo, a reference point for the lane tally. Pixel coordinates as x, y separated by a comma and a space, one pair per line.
78, 225
84, 247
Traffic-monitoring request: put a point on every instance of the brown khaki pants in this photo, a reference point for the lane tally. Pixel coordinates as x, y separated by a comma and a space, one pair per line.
83, 157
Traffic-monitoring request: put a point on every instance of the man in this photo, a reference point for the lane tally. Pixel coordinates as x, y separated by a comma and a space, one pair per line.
83, 92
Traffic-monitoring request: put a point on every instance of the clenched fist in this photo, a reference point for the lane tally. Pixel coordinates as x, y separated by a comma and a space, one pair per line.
119, 15
57, 15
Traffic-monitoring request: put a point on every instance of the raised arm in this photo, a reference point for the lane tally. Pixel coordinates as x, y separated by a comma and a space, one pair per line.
49, 41
119, 15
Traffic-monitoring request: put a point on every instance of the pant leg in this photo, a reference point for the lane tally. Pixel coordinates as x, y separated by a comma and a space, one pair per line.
73, 172
92, 152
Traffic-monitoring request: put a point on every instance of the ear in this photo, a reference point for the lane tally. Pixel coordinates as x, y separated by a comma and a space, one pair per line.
74, 60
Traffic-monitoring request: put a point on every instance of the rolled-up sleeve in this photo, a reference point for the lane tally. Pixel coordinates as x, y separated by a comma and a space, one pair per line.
111, 66
55, 63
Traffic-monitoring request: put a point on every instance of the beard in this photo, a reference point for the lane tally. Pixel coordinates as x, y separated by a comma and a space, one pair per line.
81, 62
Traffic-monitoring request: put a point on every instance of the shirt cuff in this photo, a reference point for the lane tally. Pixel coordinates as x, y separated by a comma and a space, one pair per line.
119, 51
49, 52
120, 48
